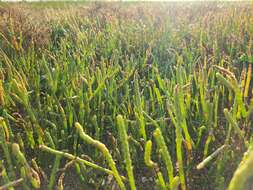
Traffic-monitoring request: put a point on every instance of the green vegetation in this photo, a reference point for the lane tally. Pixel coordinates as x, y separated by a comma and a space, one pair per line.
126, 96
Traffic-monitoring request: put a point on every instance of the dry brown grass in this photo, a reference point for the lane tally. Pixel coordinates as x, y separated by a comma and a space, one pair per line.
33, 24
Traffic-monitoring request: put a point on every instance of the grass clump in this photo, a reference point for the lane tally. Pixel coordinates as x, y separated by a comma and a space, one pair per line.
126, 95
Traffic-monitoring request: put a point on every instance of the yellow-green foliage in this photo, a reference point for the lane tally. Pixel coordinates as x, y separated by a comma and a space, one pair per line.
125, 149
242, 173
125, 95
